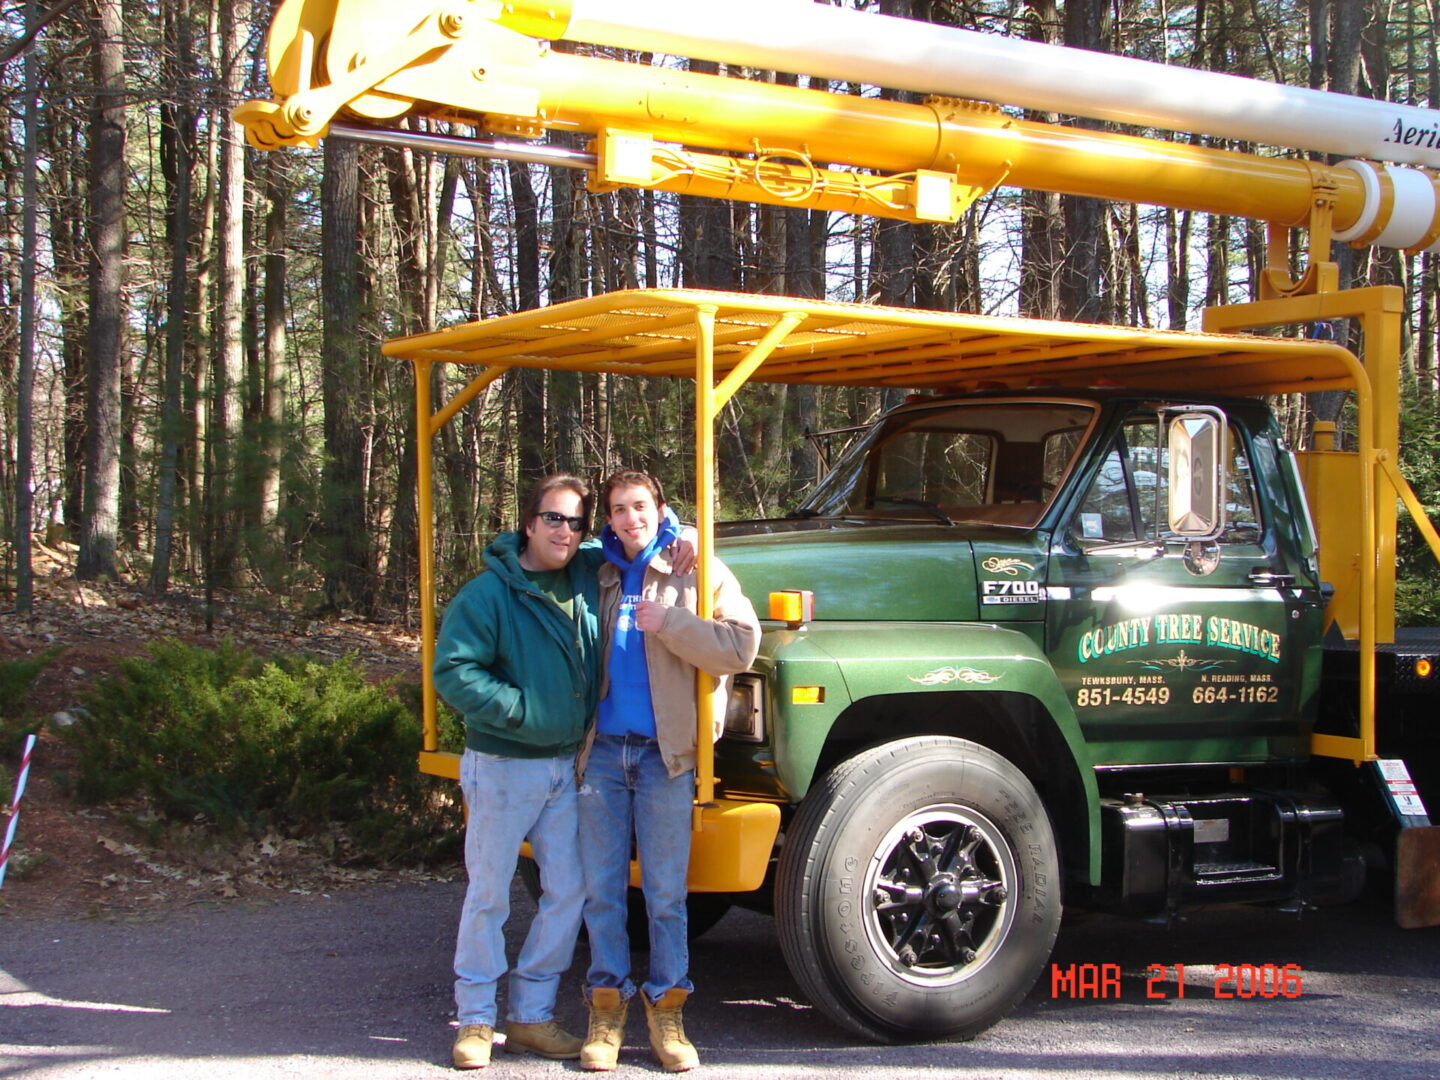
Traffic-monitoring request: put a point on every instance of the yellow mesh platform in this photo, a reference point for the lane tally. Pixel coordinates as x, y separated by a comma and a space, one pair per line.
654, 332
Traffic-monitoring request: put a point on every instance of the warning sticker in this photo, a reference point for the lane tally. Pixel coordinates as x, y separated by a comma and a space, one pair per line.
1401, 788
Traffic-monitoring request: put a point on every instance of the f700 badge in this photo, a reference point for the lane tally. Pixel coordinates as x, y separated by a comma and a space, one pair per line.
1010, 592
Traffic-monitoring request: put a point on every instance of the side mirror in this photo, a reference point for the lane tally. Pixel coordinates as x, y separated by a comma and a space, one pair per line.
1199, 453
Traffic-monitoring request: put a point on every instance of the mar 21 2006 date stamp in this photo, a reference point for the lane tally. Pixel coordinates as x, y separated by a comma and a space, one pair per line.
1237, 981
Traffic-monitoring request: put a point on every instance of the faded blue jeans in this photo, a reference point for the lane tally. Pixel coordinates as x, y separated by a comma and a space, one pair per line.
626, 792
509, 800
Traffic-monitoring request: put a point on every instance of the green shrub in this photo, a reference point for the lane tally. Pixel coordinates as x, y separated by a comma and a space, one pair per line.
245, 743
16, 679
1417, 601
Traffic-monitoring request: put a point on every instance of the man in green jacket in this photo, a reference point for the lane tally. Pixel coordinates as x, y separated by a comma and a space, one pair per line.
518, 656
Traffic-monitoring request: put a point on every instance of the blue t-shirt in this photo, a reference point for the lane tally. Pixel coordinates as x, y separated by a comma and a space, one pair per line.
626, 708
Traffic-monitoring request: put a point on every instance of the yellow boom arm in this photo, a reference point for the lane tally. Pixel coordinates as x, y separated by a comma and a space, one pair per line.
353, 66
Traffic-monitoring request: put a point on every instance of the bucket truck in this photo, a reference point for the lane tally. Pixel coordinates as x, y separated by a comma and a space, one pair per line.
1071, 627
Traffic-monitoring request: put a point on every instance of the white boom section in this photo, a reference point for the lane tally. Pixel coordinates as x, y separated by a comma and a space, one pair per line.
806, 38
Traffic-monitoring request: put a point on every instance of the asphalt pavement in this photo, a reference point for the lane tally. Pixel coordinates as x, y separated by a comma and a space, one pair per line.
358, 984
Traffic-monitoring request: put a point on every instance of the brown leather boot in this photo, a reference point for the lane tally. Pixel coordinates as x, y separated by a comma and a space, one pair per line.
672, 1049
472, 1046
603, 1040
547, 1039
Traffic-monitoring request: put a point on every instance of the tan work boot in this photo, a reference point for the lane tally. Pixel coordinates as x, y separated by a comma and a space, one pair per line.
547, 1039
667, 1031
607, 1029
472, 1046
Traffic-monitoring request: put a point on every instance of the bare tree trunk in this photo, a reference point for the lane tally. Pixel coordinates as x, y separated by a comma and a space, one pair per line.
1217, 261
421, 234
804, 276
1082, 280
568, 211
224, 495
25, 376
200, 340
532, 438
1428, 293
273, 375
708, 256
177, 154
1177, 267
67, 227
1041, 223
651, 241
348, 581
99, 519
1341, 58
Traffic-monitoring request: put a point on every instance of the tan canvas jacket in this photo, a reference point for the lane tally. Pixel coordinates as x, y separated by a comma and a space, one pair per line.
685, 642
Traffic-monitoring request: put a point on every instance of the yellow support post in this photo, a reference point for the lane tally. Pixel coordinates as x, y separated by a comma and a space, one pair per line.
463, 398
705, 410
1376, 387
709, 400
1412, 503
430, 741
762, 351
428, 424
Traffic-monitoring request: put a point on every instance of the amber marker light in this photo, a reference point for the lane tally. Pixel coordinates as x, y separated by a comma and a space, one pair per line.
807, 695
1423, 667
792, 607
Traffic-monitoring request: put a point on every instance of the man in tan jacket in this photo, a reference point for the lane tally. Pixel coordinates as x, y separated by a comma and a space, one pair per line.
638, 767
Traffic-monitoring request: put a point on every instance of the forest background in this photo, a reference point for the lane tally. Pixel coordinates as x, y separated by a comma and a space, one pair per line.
193, 391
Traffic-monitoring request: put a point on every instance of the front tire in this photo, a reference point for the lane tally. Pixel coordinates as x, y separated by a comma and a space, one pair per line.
919, 890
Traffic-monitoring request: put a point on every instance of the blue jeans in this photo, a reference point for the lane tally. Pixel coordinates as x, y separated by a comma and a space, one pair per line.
509, 800
626, 792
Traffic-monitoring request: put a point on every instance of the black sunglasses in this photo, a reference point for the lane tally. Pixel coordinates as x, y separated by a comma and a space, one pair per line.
553, 519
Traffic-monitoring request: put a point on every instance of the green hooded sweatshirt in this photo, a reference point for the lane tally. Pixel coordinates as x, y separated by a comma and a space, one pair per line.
524, 674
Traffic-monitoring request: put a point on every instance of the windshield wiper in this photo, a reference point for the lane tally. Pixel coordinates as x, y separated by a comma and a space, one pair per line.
902, 500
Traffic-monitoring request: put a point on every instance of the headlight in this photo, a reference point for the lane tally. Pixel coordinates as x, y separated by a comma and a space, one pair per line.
745, 711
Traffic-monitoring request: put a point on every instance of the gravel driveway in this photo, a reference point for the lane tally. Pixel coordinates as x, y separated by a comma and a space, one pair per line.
358, 983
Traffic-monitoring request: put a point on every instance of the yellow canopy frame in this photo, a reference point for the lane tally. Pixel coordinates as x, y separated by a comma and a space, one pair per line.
723, 340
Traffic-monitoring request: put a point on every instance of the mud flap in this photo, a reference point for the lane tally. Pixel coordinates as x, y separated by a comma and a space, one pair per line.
1417, 876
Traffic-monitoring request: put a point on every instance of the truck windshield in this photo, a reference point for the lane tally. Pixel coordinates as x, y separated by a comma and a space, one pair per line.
996, 462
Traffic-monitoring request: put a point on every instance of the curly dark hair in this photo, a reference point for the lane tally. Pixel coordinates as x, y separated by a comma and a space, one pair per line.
630, 478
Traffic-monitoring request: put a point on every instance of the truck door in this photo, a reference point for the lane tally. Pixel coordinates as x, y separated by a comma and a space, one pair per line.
1173, 652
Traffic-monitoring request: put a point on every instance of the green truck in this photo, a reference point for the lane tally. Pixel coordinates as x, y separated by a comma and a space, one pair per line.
1062, 631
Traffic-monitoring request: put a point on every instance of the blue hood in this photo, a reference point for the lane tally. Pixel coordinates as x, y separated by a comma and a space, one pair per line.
614, 550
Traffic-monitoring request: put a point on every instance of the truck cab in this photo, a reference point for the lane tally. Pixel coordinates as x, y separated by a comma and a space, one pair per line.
1044, 514
1015, 575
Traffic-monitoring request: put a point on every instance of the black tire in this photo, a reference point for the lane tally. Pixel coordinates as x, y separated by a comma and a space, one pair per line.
918, 894
702, 910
